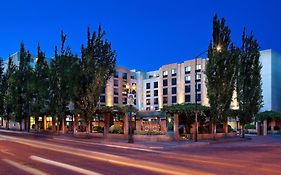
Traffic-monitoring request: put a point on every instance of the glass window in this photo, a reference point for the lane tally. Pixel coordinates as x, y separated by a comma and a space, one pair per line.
174, 72
174, 81
156, 84
165, 91
174, 99
125, 101
198, 98
115, 100
165, 82
116, 91
156, 108
147, 93
174, 90
156, 101
147, 101
102, 99
187, 69
165, 100
187, 88
155, 93
165, 73
115, 82
198, 88
147, 85
124, 75
198, 67
187, 98
116, 74
187, 79
198, 77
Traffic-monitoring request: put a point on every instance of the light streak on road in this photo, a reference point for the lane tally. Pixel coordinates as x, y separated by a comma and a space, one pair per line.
7, 152
110, 145
64, 165
24, 167
114, 159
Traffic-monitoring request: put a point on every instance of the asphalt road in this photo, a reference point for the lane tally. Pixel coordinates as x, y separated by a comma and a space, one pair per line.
31, 154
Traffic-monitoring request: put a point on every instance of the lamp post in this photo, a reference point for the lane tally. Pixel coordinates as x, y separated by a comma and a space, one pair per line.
218, 49
131, 99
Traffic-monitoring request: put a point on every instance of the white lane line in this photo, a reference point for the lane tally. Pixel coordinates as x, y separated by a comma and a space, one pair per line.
6, 152
111, 145
24, 167
63, 165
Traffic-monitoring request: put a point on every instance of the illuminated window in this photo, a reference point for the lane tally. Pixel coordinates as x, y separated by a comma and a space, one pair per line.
198, 67
174, 72
187, 69
165, 73
187, 79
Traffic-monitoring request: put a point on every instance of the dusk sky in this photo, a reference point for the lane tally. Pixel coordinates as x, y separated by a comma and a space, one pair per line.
145, 33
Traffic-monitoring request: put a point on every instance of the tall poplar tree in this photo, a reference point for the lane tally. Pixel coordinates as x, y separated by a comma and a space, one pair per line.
249, 92
220, 71
2, 92
98, 65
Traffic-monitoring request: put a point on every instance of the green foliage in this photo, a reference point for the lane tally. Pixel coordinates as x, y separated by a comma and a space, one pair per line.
249, 92
267, 115
2, 87
149, 132
220, 70
250, 126
98, 65
116, 129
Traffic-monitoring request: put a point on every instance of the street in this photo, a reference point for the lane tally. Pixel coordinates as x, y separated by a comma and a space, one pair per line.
31, 154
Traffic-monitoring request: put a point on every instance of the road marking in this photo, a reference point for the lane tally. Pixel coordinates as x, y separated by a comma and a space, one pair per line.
24, 167
6, 152
112, 146
63, 165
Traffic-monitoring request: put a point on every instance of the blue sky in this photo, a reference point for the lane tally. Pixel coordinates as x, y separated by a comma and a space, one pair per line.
145, 33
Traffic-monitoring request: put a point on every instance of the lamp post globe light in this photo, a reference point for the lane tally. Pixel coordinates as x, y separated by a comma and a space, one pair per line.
131, 99
218, 49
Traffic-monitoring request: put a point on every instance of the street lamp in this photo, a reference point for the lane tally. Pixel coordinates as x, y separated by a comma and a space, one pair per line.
218, 49
131, 99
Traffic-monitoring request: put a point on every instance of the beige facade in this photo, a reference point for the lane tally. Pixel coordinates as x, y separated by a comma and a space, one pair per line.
171, 84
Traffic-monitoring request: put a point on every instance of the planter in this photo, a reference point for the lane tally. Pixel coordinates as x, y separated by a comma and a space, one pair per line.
153, 138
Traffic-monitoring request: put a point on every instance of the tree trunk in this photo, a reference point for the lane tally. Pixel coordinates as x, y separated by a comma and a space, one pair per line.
225, 127
214, 129
20, 125
243, 131
75, 124
8, 124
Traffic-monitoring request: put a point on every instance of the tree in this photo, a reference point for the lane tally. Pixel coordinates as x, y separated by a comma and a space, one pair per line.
9, 91
22, 92
98, 65
220, 71
63, 68
2, 92
249, 92
39, 86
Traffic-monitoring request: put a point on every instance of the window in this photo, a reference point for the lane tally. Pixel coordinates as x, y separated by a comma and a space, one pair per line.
187, 69
147, 101
198, 88
147, 108
115, 100
174, 81
198, 77
165, 73
155, 84
165, 82
174, 99
174, 90
187, 98
103, 91
156, 108
187, 79
124, 75
102, 99
198, 98
165, 100
187, 88
115, 83
133, 77
147, 93
147, 85
156, 93
116, 91
174, 72
165, 91
156, 101
198, 67
116, 74
124, 101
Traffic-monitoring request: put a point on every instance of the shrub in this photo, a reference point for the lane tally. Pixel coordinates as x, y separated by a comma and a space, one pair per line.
149, 132
276, 128
250, 126
116, 129
98, 129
